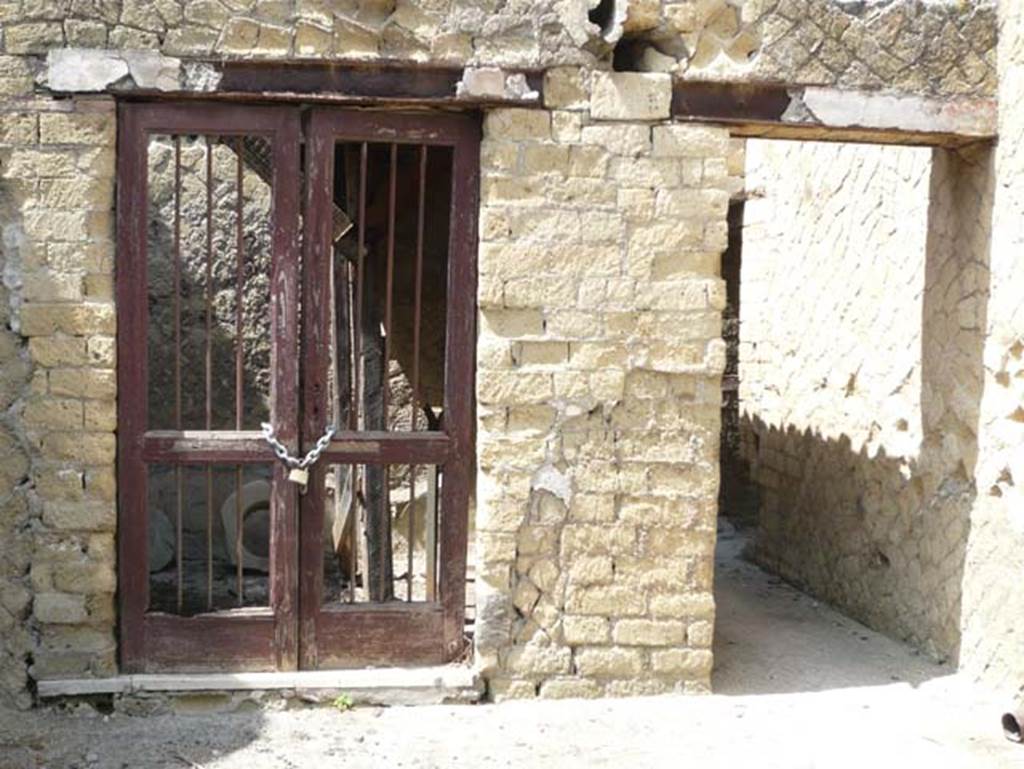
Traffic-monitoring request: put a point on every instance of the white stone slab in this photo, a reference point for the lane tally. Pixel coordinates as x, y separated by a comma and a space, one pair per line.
832, 107
388, 686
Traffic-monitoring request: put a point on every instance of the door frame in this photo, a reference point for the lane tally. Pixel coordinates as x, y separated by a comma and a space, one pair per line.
394, 632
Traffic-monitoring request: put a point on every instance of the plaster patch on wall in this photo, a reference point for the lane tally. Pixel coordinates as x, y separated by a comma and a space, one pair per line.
85, 70
549, 478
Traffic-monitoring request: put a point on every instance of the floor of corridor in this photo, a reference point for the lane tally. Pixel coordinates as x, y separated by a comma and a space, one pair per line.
770, 638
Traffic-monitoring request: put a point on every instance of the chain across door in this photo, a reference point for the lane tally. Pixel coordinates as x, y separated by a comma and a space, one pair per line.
293, 497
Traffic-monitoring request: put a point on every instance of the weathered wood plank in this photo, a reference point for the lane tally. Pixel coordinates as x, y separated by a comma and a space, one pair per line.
832, 114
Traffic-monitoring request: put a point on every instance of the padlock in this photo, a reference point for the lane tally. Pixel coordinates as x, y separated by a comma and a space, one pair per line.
300, 476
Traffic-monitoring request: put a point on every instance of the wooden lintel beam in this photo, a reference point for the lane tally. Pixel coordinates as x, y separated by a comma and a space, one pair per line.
364, 81
832, 114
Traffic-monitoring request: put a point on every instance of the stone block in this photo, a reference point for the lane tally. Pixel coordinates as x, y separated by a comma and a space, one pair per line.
83, 576
18, 129
53, 413
26, 164
87, 448
100, 415
566, 127
593, 508
630, 96
33, 37
582, 192
566, 88
535, 660
569, 688
544, 158
535, 419
503, 689
541, 353
84, 383
512, 322
537, 540
59, 608
637, 687
101, 351
591, 570
700, 634
44, 319
624, 140
644, 632
518, 125
500, 156
691, 663
585, 630
513, 388
605, 601
75, 128
585, 539
80, 516
610, 662
690, 141
518, 190
588, 161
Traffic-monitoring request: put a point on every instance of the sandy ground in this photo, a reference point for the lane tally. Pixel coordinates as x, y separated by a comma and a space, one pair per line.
798, 687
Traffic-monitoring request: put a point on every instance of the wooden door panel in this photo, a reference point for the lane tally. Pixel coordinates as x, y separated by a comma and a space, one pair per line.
371, 294
207, 206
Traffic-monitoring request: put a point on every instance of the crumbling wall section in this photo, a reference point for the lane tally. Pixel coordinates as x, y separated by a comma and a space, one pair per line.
599, 365
57, 504
936, 47
860, 392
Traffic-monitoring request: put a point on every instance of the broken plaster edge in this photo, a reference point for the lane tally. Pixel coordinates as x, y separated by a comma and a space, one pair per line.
494, 83
94, 70
444, 682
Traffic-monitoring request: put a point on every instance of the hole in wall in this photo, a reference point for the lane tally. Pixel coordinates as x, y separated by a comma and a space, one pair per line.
603, 15
650, 51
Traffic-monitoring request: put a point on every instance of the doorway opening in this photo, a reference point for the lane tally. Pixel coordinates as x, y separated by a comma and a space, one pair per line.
856, 280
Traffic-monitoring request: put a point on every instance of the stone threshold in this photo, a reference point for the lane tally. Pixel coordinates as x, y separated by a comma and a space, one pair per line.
379, 686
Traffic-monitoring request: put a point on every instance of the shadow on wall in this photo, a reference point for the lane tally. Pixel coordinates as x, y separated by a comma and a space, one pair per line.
877, 536
884, 538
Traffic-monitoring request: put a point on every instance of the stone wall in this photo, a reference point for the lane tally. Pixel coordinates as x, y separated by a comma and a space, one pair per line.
58, 506
860, 395
599, 355
918, 46
941, 47
598, 391
992, 604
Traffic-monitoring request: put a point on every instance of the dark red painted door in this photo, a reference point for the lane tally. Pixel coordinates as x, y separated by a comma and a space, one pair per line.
224, 562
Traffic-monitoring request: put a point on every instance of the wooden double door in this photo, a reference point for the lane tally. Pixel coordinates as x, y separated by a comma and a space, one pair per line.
306, 275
